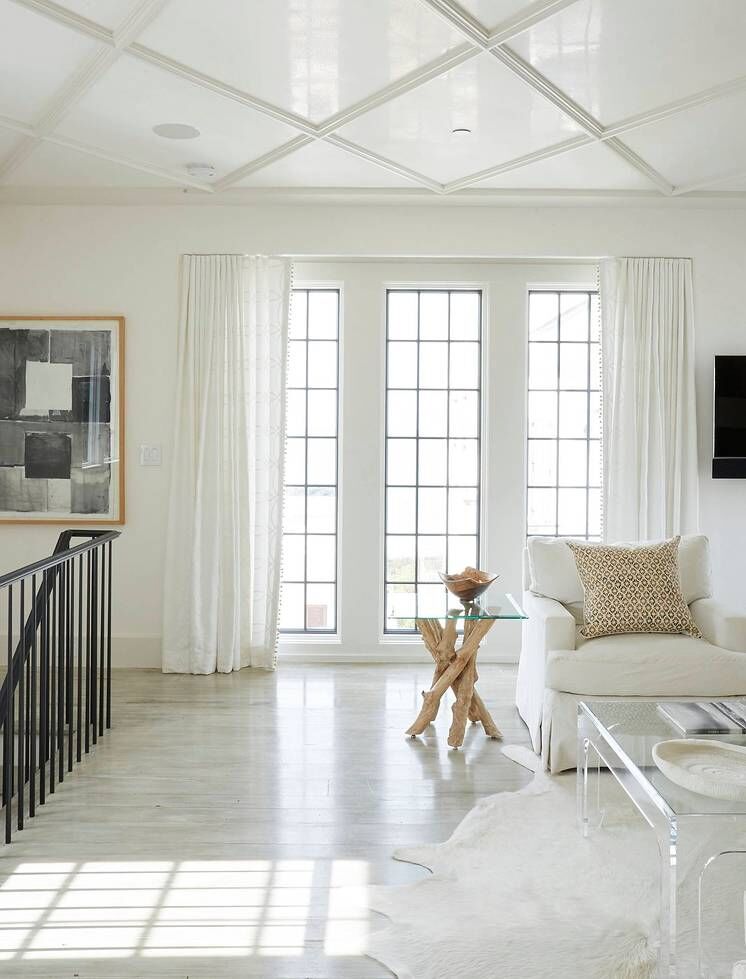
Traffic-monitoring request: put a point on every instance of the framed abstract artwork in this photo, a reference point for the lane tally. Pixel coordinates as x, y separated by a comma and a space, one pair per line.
62, 419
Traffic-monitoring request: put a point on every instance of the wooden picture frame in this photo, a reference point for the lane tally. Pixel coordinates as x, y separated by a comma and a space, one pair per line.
62, 420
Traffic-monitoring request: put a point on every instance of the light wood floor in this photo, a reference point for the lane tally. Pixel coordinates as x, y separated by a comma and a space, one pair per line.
230, 825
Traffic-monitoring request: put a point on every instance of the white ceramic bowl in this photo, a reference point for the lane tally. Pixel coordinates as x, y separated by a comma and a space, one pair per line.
709, 767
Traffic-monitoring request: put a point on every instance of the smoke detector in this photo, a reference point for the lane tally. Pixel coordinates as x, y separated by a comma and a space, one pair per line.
200, 171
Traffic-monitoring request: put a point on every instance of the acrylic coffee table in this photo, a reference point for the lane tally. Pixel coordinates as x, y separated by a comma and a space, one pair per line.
695, 833
457, 667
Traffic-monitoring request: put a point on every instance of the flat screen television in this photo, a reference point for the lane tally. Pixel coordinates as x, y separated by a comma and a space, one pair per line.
729, 456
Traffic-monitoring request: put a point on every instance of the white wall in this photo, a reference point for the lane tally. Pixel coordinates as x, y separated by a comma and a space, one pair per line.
123, 260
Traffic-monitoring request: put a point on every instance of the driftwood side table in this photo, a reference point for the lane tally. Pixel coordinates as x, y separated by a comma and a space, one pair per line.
457, 667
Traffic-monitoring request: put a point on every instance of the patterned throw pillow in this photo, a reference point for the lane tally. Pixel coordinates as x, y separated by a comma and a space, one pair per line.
632, 589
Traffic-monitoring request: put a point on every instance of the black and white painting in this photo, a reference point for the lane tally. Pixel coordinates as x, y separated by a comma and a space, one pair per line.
60, 420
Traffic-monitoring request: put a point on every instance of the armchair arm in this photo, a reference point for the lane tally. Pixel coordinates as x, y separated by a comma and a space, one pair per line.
720, 625
549, 626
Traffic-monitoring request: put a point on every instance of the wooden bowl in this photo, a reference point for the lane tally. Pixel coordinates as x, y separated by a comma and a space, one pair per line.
468, 584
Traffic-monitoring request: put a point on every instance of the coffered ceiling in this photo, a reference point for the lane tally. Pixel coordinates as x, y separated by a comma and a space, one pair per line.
501, 97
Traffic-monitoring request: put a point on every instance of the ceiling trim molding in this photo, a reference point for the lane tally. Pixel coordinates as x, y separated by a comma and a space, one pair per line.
638, 163
519, 162
455, 15
261, 162
18, 155
220, 88
53, 11
382, 161
696, 185
520, 22
451, 59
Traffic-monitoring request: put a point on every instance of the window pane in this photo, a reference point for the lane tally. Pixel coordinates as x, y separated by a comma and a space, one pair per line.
321, 557
463, 462
574, 316
465, 315
542, 366
309, 552
296, 364
542, 462
402, 365
543, 316
433, 316
564, 464
433, 413
573, 414
401, 462
295, 461
433, 470
323, 311
400, 601
542, 414
293, 557
571, 509
431, 511
401, 511
542, 511
400, 558
320, 607
573, 460
402, 315
322, 412
296, 413
322, 461
464, 414
434, 506
291, 606
462, 553
322, 364
401, 413
574, 366
321, 510
433, 365
431, 555
464, 365
462, 511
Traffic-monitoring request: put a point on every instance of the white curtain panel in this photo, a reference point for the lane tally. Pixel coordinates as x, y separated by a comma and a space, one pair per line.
222, 574
649, 423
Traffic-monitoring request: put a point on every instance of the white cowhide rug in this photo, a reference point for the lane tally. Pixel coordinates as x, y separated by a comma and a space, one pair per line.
517, 893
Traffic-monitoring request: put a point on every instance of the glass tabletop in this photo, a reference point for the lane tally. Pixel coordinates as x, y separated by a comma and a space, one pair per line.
634, 728
509, 609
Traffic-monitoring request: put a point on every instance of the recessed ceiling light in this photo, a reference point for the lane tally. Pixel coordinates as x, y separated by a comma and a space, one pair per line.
176, 130
461, 131
200, 171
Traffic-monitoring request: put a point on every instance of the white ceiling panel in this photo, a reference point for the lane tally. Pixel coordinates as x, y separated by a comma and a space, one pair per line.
57, 166
617, 59
592, 167
8, 142
119, 112
492, 13
110, 13
322, 165
706, 142
36, 57
313, 57
507, 119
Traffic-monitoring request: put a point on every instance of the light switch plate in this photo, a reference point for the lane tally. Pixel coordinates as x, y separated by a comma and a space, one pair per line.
150, 455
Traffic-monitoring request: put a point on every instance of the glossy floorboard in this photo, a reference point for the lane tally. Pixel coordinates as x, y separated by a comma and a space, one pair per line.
230, 825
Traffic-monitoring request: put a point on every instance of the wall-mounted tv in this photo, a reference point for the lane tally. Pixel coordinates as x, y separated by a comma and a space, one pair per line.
729, 456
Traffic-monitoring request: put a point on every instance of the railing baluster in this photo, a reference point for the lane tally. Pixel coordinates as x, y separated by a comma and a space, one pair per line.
69, 714
53, 684
21, 776
8, 729
43, 686
61, 683
94, 644
79, 709
102, 639
88, 655
108, 637
32, 719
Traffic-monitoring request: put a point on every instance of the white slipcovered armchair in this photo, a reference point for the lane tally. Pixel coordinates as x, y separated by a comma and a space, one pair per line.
558, 667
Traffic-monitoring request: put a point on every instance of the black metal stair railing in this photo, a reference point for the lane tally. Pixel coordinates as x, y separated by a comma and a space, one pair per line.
55, 700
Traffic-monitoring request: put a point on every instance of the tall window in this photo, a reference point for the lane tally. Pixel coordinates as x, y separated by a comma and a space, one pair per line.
564, 415
309, 552
433, 371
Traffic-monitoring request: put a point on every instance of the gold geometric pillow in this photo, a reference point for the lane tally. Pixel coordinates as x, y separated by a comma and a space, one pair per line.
632, 589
